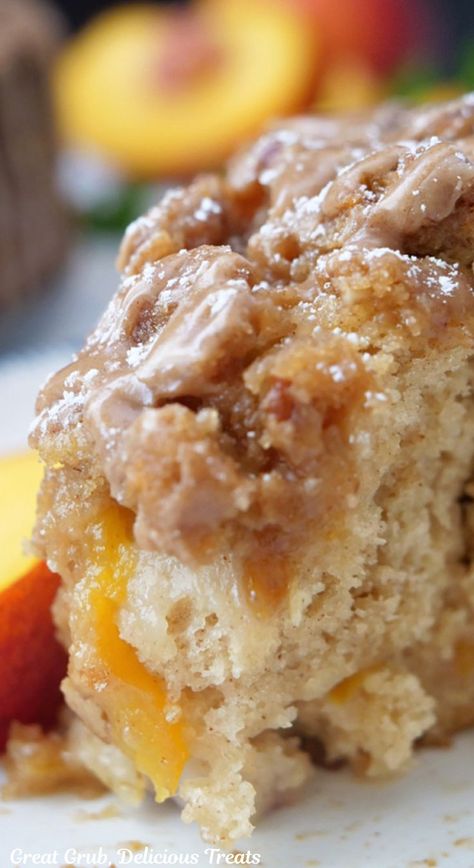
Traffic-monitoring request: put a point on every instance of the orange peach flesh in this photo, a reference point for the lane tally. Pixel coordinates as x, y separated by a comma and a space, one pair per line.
133, 699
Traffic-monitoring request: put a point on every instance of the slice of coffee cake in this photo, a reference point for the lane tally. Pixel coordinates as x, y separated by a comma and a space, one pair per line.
257, 485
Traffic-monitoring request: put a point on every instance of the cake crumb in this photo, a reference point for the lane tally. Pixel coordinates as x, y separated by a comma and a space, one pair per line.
108, 812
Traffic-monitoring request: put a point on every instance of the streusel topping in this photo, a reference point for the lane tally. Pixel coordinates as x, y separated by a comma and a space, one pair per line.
220, 391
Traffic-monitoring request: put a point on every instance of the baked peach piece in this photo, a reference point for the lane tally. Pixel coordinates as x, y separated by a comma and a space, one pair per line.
258, 486
32, 662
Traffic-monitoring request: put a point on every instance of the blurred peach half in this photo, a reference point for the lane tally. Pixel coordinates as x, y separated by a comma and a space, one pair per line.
164, 91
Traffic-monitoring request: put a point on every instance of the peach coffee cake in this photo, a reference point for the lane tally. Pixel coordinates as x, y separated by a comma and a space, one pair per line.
259, 471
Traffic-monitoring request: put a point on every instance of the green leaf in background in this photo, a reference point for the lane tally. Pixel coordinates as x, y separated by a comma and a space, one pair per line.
466, 65
414, 82
113, 214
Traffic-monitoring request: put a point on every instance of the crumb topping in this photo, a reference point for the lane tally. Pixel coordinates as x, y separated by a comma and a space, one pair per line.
221, 393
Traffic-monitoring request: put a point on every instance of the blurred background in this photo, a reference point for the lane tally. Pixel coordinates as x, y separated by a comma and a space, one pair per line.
102, 107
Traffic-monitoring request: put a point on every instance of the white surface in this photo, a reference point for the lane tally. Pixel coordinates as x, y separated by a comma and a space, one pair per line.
423, 819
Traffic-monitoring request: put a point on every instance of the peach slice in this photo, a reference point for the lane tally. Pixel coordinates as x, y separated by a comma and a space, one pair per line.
163, 91
20, 476
32, 662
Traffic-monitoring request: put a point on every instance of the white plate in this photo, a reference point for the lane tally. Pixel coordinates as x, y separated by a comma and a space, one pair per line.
423, 819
